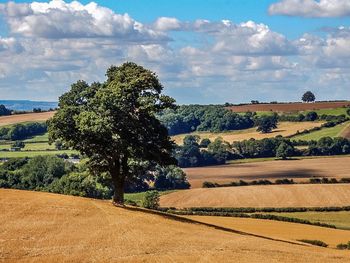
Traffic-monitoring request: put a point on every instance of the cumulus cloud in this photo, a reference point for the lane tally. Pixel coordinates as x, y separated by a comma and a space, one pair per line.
58, 19
311, 8
167, 24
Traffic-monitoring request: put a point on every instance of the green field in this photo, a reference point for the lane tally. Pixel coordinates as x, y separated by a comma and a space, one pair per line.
340, 219
39, 138
325, 132
335, 112
22, 154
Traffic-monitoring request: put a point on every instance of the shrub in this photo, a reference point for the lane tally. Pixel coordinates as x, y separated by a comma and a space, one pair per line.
208, 185
314, 242
151, 200
343, 246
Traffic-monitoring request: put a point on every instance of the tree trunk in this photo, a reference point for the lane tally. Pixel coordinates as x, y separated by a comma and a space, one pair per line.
118, 183
118, 196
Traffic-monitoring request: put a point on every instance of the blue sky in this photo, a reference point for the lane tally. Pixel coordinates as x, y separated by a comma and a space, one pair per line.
245, 49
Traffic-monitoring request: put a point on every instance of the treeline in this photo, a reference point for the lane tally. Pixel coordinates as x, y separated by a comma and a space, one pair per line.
214, 118
196, 153
53, 174
324, 180
22, 131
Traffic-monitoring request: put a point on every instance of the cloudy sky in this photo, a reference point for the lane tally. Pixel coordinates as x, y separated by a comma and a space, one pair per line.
211, 51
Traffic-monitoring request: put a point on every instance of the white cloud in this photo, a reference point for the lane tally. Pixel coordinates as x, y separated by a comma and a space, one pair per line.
311, 8
58, 19
167, 24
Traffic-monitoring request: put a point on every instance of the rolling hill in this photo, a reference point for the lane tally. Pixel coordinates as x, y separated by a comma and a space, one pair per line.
28, 117
42, 227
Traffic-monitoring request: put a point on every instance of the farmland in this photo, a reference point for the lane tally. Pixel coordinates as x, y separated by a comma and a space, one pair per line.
340, 219
284, 129
281, 230
300, 195
46, 227
336, 131
289, 107
28, 117
299, 170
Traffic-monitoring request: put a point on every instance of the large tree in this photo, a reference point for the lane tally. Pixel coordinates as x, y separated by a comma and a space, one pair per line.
308, 97
114, 123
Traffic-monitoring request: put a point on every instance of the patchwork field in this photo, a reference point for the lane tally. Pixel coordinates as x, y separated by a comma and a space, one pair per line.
284, 129
341, 130
280, 230
28, 117
290, 107
301, 195
42, 227
299, 170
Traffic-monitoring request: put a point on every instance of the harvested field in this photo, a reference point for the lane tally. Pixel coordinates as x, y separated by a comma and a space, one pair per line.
28, 117
298, 170
290, 107
42, 227
346, 133
280, 230
284, 129
298, 195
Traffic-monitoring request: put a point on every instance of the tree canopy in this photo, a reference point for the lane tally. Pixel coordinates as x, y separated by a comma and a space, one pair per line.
308, 97
114, 123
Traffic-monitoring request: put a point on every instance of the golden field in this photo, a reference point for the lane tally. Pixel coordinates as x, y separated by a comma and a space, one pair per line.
43, 227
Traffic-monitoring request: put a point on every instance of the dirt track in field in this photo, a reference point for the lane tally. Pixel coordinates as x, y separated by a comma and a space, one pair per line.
284, 129
280, 230
42, 227
28, 117
346, 133
298, 170
289, 107
297, 195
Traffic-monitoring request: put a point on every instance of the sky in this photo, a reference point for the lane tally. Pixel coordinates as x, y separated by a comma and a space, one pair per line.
211, 51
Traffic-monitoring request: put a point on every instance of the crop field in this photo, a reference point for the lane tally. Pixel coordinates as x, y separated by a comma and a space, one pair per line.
336, 131
290, 107
28, 117
340, 219
346, 133
277, 229
284, 129
297, 195
298, 170
45, 227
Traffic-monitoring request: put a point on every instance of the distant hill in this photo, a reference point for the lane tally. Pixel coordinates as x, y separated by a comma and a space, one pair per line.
27, 105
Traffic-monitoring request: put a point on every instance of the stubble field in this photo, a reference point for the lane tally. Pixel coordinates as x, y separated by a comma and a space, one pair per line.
28, 117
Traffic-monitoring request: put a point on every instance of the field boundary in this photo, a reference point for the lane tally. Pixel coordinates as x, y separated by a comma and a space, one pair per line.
192, 221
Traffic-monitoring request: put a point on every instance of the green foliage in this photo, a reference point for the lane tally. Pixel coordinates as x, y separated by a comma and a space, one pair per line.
314, 242
18, 144
342, 246
204, 143
22, 131
308, 97
81, 184
311, 116
115, 122
214, 118
266, 123
171, 177
151, 200
4, 111
284, 151
348, 111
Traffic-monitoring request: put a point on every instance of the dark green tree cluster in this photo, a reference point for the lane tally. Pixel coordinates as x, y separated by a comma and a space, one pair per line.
22, 131
214, 118
190, 153
266, 123
4, 111
308, 97
329, 146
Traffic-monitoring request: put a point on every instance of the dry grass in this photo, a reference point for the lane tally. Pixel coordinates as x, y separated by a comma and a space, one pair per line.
28, 117
299, 170
284, 129
346, 132
290, 107
42, 227
308, 195
279, 230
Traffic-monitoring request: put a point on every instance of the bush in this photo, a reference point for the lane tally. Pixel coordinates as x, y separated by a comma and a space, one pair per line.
314, 242
343, 246
151, 200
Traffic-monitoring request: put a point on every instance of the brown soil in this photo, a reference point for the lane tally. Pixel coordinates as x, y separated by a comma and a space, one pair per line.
346, 133
301, 195
289, 107
298, 170
28, 117
42, 227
